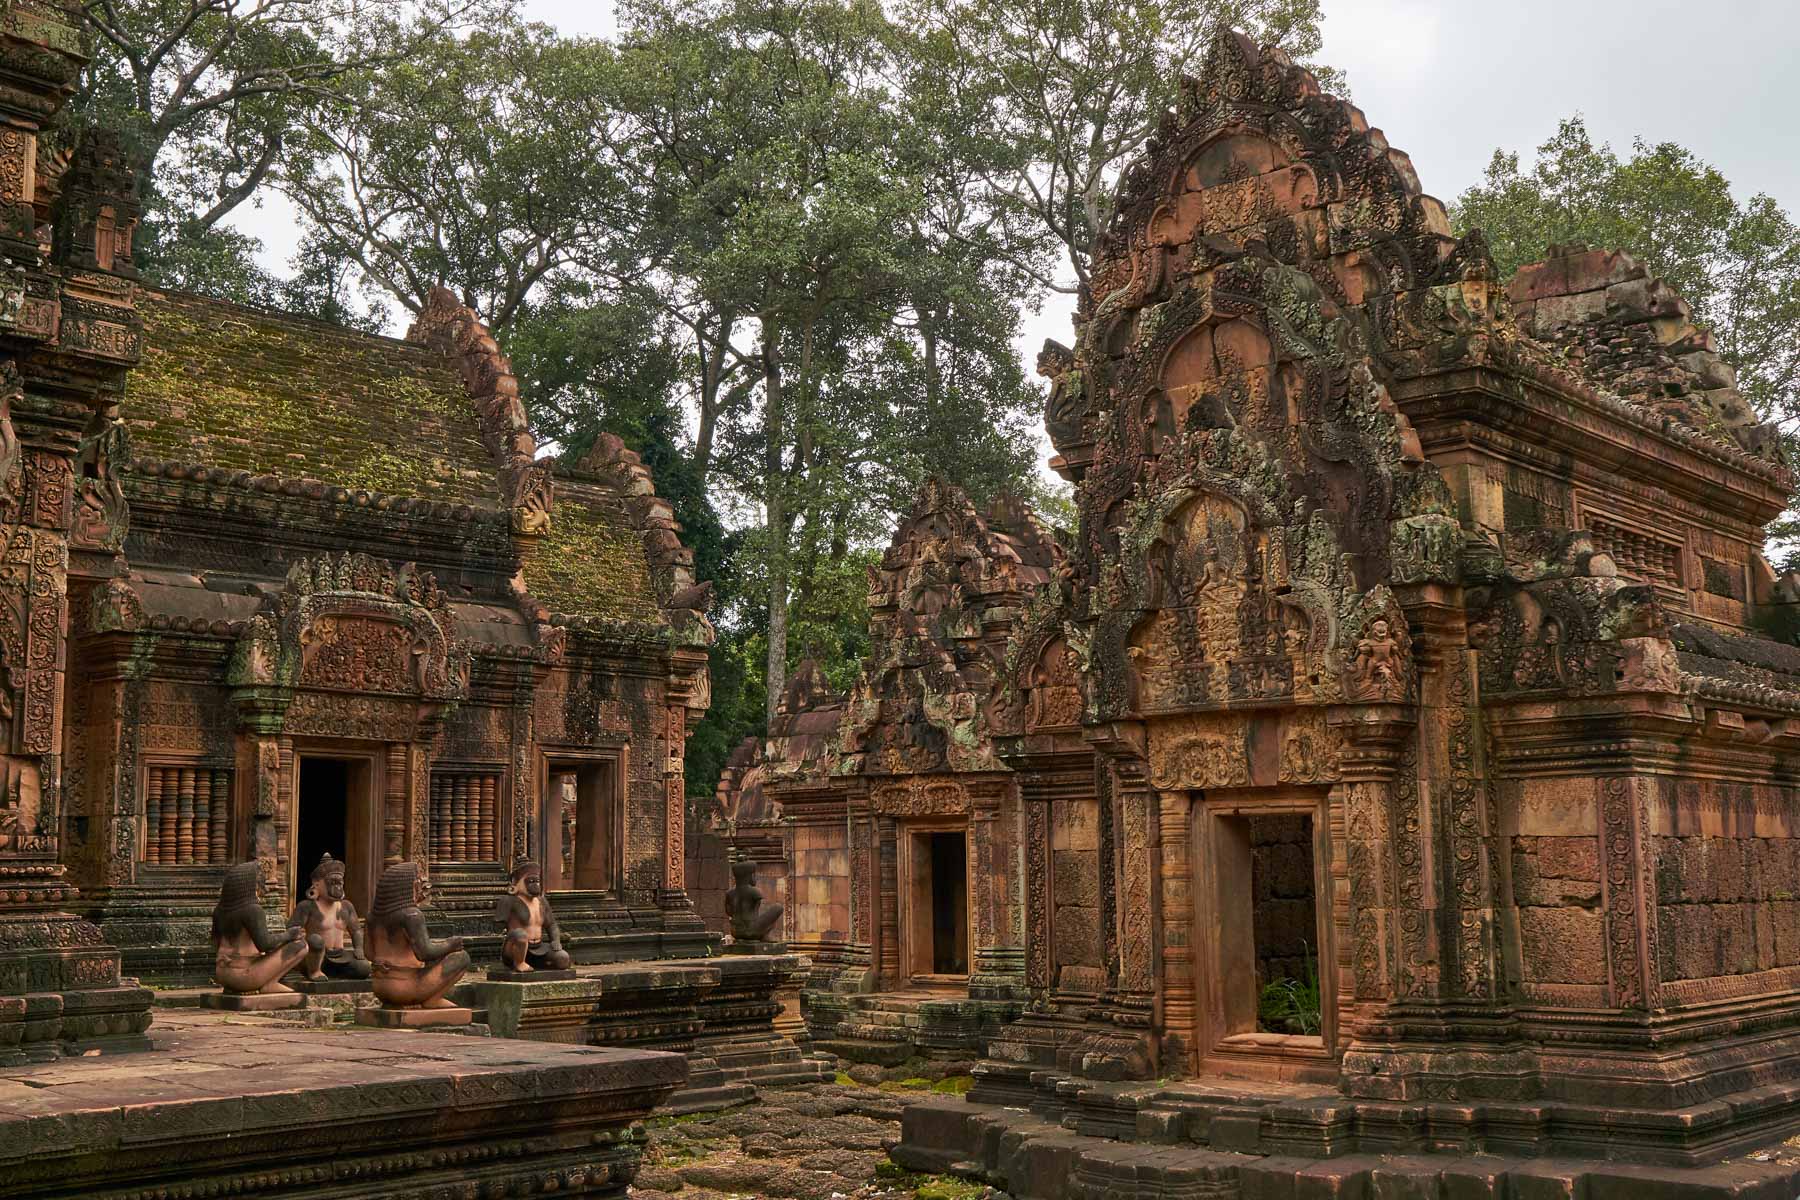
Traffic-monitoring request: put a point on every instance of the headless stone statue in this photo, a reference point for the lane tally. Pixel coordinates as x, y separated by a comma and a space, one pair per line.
412, 968
750, 918
249, 959
334, 933
533, 942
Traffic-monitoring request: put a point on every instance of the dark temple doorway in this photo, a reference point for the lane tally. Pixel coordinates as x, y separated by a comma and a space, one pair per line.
949, 904
325, 807
583, 829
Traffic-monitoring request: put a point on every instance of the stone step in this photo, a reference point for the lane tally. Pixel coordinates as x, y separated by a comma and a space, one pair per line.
1033, 1159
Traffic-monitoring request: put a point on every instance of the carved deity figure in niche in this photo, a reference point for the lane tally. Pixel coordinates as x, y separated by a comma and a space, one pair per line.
1065, 408
750, 918
1380, 671
334, 933
102, 515
249, 959
533, 942
412, 968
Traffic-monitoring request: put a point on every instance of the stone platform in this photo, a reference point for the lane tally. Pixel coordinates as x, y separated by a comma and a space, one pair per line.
1240, 1141
719, 1012
229, 1105
887, 1028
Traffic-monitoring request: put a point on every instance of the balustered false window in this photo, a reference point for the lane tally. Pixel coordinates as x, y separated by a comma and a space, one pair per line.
187, 815
464, 807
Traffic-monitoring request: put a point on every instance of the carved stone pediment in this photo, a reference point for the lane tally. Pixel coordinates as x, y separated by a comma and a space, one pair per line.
353, 623
921, 797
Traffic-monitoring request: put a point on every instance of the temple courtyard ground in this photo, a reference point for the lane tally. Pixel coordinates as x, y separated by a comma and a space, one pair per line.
817, 1142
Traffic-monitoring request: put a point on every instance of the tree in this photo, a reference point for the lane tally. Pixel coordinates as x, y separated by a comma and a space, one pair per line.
789, 217
1079, 86
1737, 263
459, 167
208, 92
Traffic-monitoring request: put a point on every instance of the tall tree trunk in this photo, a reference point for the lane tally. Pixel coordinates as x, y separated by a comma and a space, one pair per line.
775, 509
712, 377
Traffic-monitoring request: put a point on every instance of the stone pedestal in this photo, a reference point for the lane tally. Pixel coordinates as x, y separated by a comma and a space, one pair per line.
412, 1018
253, 1001
288, 1111
332, 987
719, 1012
501, 975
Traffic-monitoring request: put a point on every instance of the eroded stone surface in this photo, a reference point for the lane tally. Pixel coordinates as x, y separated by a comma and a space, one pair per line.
244, 1105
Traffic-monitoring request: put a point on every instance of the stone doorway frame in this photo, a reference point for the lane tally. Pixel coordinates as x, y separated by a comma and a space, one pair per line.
1224, 947
548, 834
366, 786
911, 913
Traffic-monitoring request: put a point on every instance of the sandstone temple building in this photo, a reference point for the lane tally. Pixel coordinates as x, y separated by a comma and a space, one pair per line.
1421, 636
888, 818
272, 590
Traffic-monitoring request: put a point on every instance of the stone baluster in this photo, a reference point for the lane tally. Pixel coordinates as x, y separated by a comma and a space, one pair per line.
459, 818
219, 843
153, 811
490, 804
168, 832
202, 840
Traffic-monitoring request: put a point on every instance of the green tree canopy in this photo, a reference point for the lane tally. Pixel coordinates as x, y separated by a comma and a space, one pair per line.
208, 93
1077, 87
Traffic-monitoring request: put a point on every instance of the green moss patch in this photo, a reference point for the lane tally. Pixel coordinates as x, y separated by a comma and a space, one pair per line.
271, 394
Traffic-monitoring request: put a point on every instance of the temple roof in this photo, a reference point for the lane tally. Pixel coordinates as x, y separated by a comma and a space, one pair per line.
436, 417
274, 394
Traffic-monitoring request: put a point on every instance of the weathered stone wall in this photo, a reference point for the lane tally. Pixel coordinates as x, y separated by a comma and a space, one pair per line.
1285, 912
1075, 895
1727, 905
1556, 886
819, 883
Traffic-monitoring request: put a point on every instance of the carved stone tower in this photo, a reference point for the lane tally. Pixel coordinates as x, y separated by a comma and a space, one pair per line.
68, 333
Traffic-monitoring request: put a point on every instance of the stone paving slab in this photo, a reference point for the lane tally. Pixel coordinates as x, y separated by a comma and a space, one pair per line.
245, 1106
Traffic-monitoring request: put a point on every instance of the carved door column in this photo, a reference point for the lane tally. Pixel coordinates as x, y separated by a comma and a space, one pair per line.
887, 900
1135, 804
998, 960
674, 893
1385, 850
860, 953
1039, 959
1175, 868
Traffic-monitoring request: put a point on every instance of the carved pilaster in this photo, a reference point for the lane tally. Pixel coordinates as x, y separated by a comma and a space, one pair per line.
1629, 893
887, 900
1376, 739
1038, 958
1174, 851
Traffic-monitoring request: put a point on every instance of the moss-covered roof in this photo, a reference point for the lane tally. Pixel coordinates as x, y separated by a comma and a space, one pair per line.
273, 394
592, 563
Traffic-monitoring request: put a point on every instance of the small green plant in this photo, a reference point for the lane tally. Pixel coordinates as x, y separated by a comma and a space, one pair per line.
1291, 1005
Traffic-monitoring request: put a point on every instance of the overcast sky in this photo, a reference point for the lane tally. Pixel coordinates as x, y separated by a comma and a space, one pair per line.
1451, 80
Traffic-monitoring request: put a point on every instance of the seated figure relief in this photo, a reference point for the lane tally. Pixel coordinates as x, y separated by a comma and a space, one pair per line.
533, 941
334, 932
412, 969
250, 960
